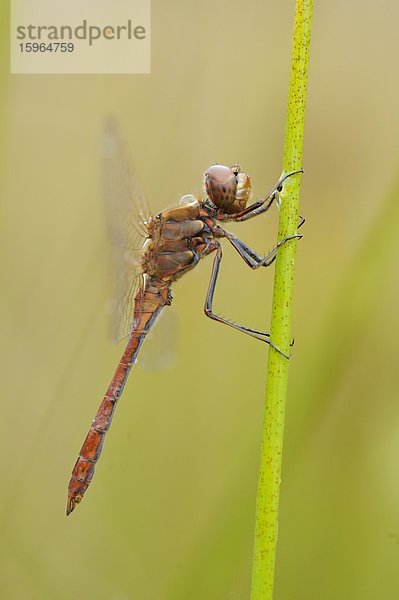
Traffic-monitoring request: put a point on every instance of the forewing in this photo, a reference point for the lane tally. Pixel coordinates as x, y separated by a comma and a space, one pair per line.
127, 216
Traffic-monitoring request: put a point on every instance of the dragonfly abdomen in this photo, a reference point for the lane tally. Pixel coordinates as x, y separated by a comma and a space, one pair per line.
149, 301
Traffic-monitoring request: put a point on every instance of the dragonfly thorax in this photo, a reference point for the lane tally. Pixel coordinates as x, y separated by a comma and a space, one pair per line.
227, 188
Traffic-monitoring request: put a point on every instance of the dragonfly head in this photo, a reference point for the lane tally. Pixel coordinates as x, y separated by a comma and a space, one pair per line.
227, 188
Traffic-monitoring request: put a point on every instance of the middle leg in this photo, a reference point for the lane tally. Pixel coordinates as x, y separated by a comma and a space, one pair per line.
250, 257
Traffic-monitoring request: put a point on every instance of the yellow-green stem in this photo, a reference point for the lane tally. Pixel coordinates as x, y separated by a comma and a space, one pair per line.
267, 505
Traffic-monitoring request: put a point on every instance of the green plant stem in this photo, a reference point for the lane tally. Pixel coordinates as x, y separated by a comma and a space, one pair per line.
277, 376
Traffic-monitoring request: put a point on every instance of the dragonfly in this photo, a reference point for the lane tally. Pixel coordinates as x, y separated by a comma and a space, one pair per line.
175, 240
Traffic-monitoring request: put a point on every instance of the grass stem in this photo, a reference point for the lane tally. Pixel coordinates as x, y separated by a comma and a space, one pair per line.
267, 505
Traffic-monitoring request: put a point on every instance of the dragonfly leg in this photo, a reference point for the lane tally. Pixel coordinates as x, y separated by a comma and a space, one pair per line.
208, 308
264, 204
260, 206
250, 257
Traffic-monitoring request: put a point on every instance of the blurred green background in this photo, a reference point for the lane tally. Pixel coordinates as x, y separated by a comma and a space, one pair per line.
170, 514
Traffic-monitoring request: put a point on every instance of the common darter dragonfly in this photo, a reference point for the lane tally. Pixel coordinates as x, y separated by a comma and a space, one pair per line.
175, 241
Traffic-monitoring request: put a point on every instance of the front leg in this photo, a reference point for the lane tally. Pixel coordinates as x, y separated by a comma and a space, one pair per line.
260, 206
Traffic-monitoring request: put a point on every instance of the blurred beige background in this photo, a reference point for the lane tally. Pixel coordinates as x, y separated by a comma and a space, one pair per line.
170, 514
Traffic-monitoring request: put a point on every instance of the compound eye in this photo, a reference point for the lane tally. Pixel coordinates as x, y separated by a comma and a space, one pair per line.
219, 174
221, 185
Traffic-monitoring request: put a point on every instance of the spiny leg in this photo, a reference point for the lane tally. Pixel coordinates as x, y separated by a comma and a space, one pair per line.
208, 308
250, 257
264, 204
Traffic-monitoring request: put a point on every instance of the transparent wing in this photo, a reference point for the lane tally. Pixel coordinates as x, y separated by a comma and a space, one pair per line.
127, 217
159, 352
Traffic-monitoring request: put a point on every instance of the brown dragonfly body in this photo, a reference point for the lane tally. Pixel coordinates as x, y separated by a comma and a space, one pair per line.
176, 241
